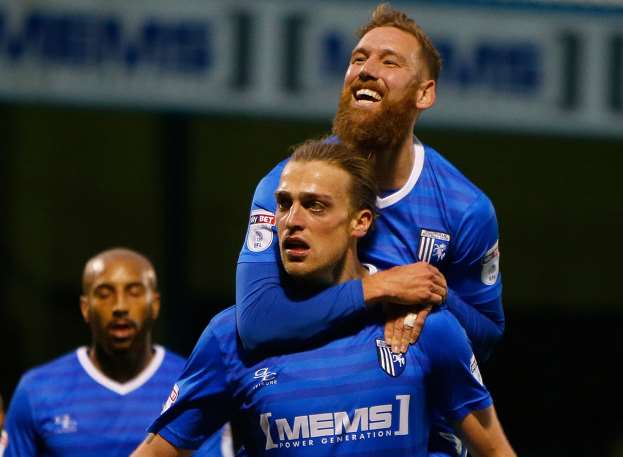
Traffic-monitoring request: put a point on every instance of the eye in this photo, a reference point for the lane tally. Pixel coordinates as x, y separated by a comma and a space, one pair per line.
283, 204
358, 59
136, 290
390, 63
102, 292
316, 206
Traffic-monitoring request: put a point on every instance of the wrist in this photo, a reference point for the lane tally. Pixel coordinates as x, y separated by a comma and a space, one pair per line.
374, 289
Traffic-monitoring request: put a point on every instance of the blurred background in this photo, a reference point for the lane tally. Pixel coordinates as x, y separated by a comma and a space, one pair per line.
147, 124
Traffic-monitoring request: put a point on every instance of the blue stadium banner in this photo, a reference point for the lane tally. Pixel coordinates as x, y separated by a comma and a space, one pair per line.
530, 69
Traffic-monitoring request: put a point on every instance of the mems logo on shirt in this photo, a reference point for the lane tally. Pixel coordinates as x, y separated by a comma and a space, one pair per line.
373, 422
260, 233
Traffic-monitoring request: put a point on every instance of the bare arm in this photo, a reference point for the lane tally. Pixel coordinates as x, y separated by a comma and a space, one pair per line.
157, 446
483, 434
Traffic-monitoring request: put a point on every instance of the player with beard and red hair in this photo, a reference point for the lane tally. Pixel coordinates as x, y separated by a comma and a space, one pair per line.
436, 235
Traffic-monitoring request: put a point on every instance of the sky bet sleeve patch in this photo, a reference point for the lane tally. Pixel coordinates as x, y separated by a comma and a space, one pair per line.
490, 266
260, 233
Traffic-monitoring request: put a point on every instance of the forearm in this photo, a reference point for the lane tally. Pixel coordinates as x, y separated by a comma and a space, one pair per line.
483, 434
268, 315
484, 329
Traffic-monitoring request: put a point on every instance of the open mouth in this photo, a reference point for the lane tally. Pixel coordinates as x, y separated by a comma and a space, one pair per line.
122, 329
295, 248
365, 96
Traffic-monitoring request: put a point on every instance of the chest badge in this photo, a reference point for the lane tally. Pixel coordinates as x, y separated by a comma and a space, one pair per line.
391, 363
433, 246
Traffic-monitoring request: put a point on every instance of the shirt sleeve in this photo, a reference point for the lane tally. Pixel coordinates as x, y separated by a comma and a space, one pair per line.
20, 425
455, 383
263, 299
483, 329
200, 402
474, 277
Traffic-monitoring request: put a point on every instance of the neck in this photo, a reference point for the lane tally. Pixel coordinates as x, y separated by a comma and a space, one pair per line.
350, 268
393, 168
124, 366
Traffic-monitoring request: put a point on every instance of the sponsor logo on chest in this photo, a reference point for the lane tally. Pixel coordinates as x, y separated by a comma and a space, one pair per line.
338, 427
265, 378
64, 423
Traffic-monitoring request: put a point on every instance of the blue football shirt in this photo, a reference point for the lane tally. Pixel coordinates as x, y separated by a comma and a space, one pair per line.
438, 216
347, 396
68, 408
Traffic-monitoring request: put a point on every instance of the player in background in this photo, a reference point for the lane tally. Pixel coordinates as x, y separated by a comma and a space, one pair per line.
3, 437
99, 399
345, 395
431, 217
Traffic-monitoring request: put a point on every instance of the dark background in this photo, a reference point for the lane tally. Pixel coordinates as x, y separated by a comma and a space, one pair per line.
74, 181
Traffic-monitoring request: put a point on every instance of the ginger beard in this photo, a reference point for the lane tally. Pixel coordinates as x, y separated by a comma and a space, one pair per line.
373, 132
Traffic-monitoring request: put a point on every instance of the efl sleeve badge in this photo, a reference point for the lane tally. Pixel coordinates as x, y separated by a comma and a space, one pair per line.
260, 233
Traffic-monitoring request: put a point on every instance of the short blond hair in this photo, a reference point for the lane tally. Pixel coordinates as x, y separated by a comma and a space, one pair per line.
363, 188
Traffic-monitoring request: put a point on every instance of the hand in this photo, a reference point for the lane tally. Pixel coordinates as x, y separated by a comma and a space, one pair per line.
413, 284
397, 334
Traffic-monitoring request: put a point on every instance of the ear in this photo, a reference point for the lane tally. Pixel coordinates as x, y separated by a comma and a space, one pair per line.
361, 222
84, 308
426, 95
155, 306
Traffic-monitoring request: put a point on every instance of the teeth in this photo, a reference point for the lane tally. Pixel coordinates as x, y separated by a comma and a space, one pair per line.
370, 93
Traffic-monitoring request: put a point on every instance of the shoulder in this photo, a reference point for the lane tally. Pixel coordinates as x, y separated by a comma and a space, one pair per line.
221, 331
171, 359
456, 186
441, 322
62, 367
443, 337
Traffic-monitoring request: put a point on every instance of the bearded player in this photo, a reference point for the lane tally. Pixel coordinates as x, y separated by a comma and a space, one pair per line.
348, 394
433, 226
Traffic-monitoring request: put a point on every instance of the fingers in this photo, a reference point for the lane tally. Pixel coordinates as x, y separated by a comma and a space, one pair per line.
406, 333
419, 324
403, 330
394, 329
389, 331
400, 338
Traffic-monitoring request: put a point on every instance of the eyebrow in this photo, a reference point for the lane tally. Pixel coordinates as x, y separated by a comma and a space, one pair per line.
383, 51
110, 285
304, 195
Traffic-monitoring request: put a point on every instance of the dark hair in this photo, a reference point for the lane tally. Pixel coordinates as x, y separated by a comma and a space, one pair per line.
385, 15
363, 189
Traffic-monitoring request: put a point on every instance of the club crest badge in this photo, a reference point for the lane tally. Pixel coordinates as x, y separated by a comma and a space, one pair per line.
433, 246
260, 234
391, 363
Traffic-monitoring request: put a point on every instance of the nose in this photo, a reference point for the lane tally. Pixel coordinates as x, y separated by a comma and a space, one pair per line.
368, 71
294, 218
120, 307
